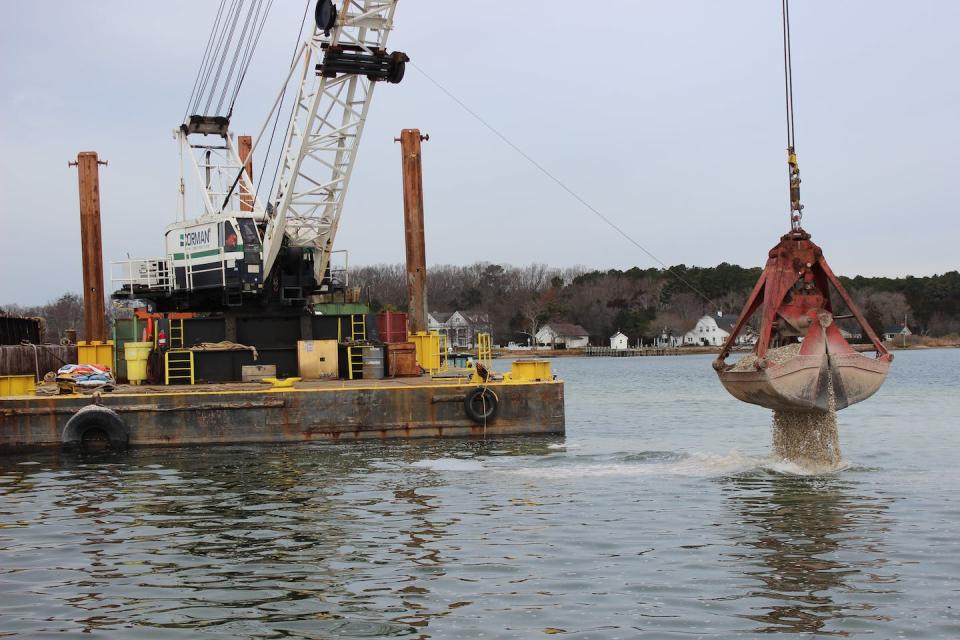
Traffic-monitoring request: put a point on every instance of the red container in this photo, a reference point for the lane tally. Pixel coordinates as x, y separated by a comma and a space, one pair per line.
402, 360
392, 326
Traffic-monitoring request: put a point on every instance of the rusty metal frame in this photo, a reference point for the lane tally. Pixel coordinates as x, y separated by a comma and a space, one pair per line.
795, 262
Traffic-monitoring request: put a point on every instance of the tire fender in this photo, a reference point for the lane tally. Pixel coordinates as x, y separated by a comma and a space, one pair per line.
481, 405
95, 417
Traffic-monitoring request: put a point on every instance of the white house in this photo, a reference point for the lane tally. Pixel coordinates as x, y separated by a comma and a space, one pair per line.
563, 335
708, 332
460, 327
619, 341
892, 333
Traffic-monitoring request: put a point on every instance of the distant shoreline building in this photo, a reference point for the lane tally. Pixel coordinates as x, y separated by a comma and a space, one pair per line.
460, 327
562, 335
713, 331
619, 341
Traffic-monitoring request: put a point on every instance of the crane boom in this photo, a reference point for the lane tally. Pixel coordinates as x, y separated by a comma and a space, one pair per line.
325, 128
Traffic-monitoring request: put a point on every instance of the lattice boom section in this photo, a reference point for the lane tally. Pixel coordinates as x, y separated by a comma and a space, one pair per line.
325, 130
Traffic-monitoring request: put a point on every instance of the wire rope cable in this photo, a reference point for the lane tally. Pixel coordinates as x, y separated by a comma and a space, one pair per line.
273, 131
564, 186
203, 61
236, 55
248, 56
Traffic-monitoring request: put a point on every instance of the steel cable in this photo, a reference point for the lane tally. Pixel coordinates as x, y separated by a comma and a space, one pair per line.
214, 53
223, 55
273, 131
563, 186
248, 54
203, 61
228, 79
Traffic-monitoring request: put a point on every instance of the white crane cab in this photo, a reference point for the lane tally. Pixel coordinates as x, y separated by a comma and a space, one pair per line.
215, 252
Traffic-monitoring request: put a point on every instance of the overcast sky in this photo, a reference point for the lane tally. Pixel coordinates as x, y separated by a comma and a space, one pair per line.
665, 116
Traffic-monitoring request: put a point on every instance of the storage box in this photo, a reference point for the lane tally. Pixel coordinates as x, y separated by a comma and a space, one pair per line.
95, 352
402, 360
392, 326
17, 385
317, 359
257, 372
428, 350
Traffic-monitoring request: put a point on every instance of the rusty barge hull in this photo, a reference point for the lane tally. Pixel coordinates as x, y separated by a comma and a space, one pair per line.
332, 412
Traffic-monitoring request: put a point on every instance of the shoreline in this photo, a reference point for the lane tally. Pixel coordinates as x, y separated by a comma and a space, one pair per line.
680, 351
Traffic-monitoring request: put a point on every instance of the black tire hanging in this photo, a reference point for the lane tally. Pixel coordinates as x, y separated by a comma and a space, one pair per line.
481, 405
95, 427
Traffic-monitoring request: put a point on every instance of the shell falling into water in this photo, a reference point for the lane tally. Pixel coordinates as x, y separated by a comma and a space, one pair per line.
808, 439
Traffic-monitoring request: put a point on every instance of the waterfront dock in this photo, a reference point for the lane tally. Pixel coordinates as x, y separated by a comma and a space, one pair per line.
625, 353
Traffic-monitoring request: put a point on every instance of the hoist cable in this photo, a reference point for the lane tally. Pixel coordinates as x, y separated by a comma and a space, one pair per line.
214, 54
273, 131
228, 79
248, 56
209, 62
788, 71
203, 61
223, 55
793, 169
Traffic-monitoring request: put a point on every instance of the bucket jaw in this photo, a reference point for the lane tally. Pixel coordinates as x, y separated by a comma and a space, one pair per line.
793, 297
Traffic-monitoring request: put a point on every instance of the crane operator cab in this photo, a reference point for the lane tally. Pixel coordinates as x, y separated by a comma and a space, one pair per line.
215, 254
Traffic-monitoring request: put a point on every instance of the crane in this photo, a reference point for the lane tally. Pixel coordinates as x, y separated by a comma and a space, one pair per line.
273, 250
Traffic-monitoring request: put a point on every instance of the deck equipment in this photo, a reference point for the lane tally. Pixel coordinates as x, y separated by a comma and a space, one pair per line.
793, 297
242, 248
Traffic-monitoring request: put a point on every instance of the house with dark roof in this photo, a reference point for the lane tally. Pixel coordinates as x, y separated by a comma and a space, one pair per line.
892, 333
563, 335
460, 327
713, 331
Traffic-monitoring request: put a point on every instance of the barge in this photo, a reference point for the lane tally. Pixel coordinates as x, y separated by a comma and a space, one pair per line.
245, 289
308, 411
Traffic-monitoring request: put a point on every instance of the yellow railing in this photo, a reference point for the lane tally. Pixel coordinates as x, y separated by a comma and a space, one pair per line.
485, 350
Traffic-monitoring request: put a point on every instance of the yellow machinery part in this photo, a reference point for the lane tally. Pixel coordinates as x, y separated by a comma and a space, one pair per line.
95, 352
17, 385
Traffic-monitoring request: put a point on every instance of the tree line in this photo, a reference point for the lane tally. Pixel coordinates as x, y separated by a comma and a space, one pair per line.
642, 303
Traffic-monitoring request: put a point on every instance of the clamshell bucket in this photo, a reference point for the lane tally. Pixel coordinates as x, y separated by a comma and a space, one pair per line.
801, 362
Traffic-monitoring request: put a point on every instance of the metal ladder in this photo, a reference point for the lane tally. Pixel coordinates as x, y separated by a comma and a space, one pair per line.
358, 327
176, 333
354, 362
178, 366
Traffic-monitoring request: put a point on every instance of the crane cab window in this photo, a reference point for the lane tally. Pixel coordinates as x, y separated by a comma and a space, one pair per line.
248, 229
229, 236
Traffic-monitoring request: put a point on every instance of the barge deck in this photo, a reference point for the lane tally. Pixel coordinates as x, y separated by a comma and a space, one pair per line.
334, 410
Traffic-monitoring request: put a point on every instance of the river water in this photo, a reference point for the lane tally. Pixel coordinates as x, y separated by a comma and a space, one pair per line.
659, 515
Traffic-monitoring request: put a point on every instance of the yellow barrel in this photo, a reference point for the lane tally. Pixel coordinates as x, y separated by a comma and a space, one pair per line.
136, 355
